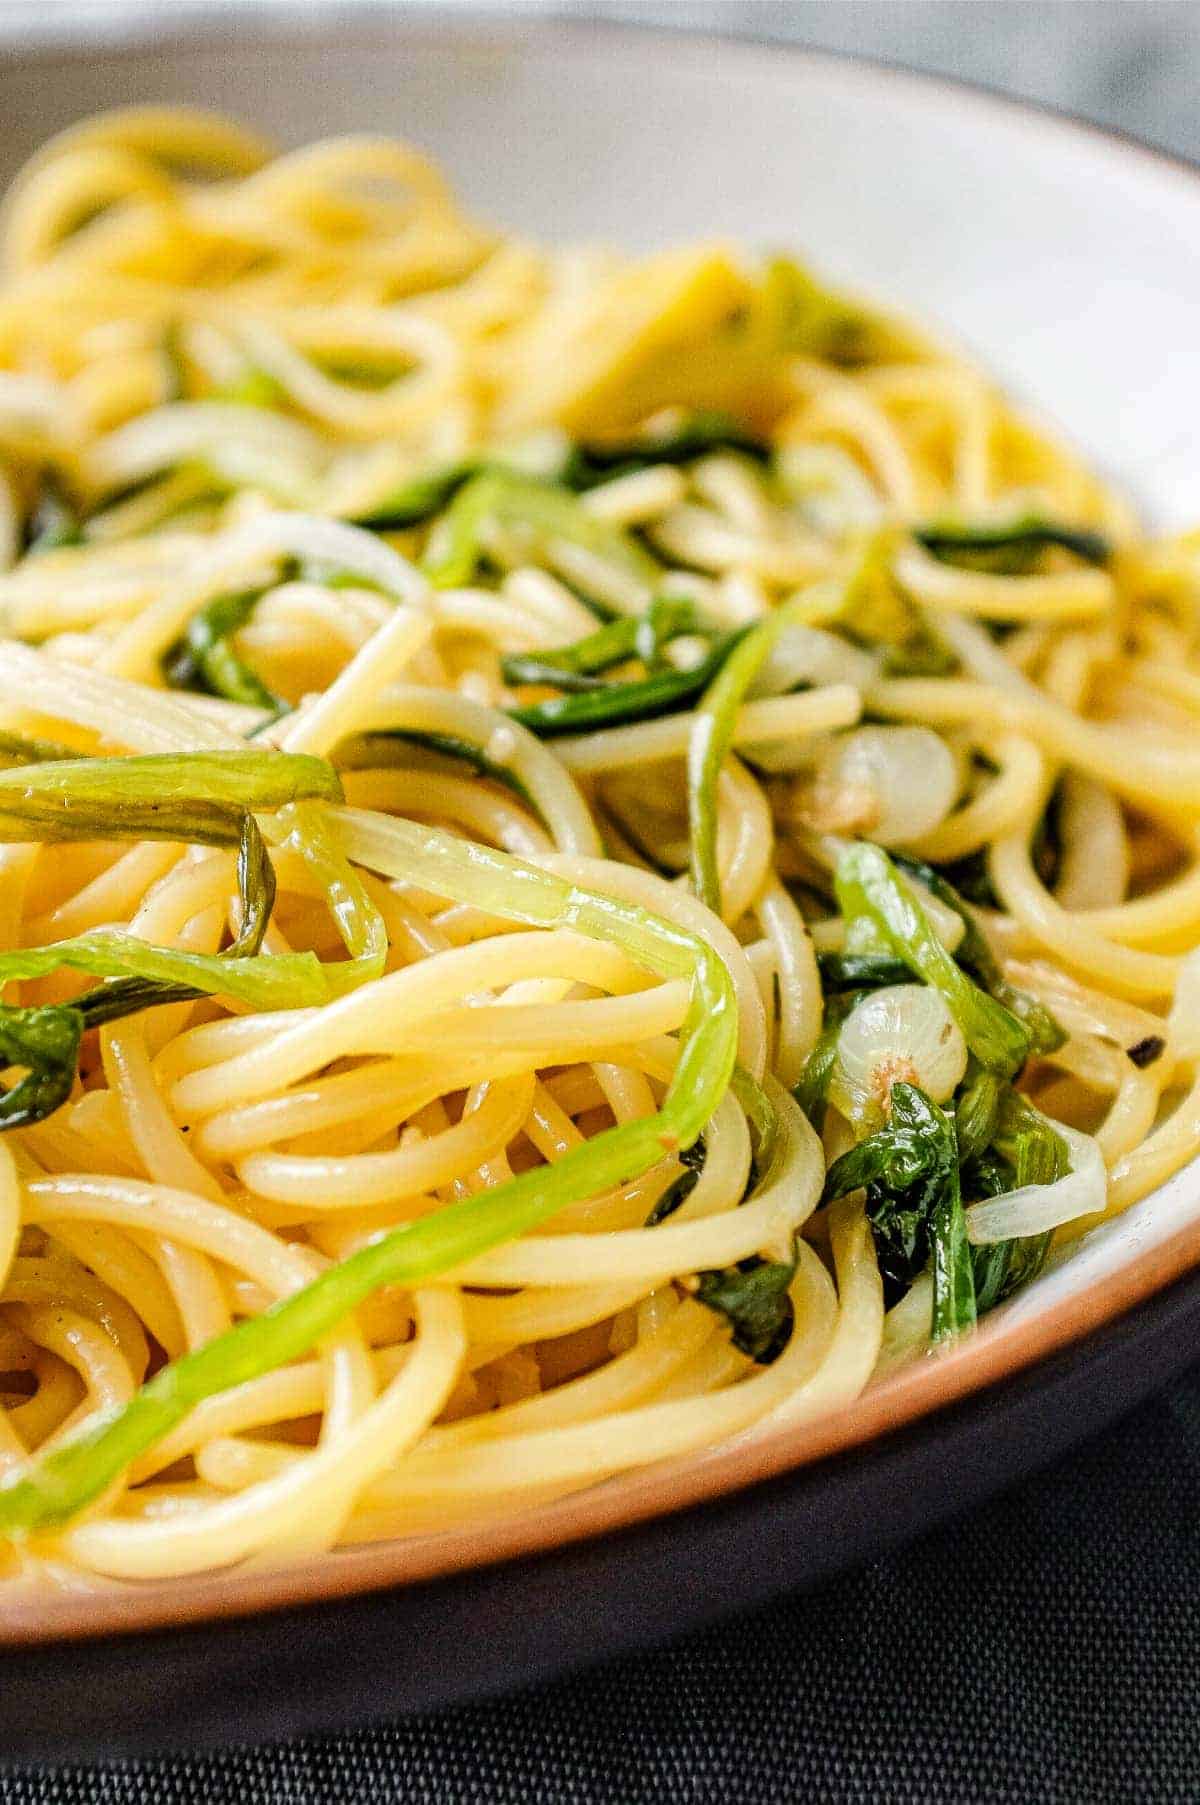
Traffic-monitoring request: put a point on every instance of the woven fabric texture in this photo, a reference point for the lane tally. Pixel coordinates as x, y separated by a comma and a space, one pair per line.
1045, 1648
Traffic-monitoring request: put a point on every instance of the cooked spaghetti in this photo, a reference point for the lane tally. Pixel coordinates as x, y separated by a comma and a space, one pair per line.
595, 852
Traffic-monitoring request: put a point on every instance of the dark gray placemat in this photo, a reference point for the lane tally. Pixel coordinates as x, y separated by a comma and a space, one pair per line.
1045, 1648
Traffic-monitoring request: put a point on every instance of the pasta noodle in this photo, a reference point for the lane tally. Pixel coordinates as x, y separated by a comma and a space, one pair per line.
497, 747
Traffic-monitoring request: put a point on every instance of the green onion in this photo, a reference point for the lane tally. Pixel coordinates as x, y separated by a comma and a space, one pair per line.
45, 1042
697, 435
204, 659
54, 521
870, 890
59, 1485
421, 497
1028, 1151
207, 797
753, 1298
427, 493
914, 1203
379, 747
709, 743
812, 1087
550, 514
192, 796
275, 981
860, 971
629, 636
977, 1113
17, 749
620, 704
973, 952
1025, 534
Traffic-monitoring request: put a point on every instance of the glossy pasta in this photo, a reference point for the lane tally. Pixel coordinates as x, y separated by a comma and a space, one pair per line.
595, 852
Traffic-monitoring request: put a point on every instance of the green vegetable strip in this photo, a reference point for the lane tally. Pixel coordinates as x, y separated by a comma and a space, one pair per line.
708, 747
55, 520
1033, 1154
860, 971
81, 1468
276, 981
191, 796
420, 498
359, 922
17, 749
812, 1087
910, 1171
368, 751
195, 796
45, 1042
1045, 1034
869, 888
150, 976
954, 1307
619, 704
696, 436
551, 514
204, 659
1027, 533
614, 643
977, 1113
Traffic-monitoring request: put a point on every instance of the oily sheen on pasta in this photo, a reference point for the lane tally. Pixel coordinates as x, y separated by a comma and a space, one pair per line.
596, 852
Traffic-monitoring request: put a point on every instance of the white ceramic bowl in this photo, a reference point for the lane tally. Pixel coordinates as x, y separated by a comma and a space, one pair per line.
1065, 259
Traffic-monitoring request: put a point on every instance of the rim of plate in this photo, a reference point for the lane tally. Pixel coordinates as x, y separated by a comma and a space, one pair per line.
999, 1349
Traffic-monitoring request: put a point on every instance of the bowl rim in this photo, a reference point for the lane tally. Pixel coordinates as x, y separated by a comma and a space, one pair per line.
1000, 1349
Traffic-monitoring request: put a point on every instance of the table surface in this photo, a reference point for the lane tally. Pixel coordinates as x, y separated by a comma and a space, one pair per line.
1045, 1648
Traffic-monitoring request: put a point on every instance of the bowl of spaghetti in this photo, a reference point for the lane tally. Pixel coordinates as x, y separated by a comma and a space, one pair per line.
598, 821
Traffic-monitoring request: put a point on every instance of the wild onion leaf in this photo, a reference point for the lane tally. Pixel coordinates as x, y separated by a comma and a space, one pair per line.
753, 1296
871, 891
909, 1171
205, 797
55, 519
45, 1042
191, 796
812, 1087
1027, 533
709, 743
973, 952
629, 636
977, 1113
205, 660
1026, 1150
860, 971
421, 497
697, 435
619, 704
546, 513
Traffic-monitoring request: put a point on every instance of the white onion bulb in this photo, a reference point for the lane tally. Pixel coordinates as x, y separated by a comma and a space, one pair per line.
905, 1034
890, 784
